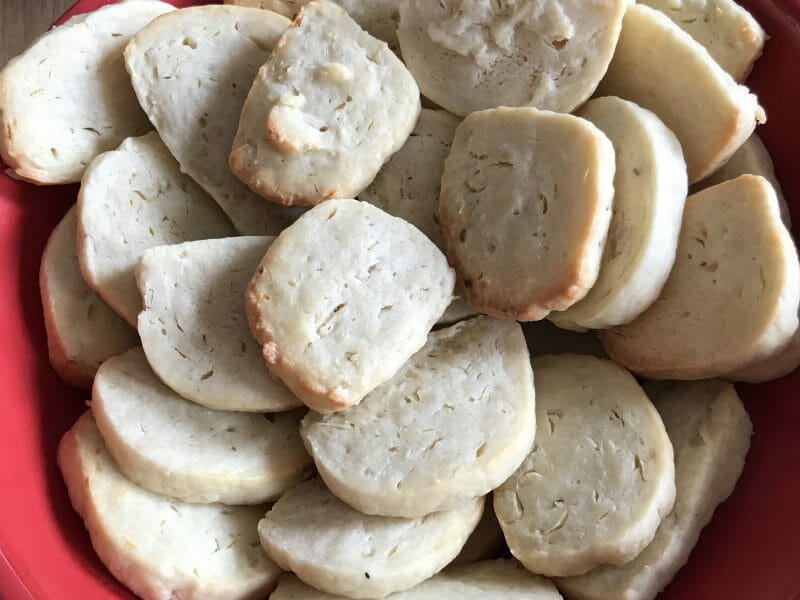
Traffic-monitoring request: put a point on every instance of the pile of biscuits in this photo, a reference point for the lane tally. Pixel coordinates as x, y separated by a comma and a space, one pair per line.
343, 346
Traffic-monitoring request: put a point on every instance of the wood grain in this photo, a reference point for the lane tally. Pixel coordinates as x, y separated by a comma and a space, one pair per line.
23, 20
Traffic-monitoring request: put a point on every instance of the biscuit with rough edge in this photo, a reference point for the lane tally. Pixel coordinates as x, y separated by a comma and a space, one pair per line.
731, 35
525, 209
339, 550
175, 447
343, 298
327, 109
194, 326
710, 432
378, 17
408, 186
82, 330
600, 477
649, 192
67, 98
732, 296
131, 199
486, 541
453, 423
159, 547
753, 159
468, 56
489, 580
654, 59
191, 73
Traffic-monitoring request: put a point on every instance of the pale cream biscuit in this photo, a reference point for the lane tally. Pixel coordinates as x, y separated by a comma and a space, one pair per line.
131, 199
525, 209
600, 477
378, 17
731, 35
339, 550
67, 98
175, 447
453, 423
710, 432
488, 580
327, 109
650, 189
732, 296
469, 56
343, 298
779, 364
194, 326
191, 71
82, 330
654, 59
159, 547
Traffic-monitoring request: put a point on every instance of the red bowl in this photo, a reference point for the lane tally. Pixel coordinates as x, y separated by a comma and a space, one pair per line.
751, 549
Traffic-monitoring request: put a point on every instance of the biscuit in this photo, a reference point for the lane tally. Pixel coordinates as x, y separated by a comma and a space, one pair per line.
525, 209
194, 326
175, 447
488, 580
159, 547
339, 550
453, 423
131, 199
654, 59
731, 35
710, 432
343, 298
191, 71
67, 98
82, 330
783, 362
732, 296
408, 186
469, 56
327, 109
649, 192
600, 477
378, 17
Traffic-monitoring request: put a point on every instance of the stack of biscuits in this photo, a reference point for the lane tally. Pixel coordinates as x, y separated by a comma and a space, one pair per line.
343, 346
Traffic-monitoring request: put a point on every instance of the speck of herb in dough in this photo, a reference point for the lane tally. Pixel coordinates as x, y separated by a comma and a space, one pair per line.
366, 575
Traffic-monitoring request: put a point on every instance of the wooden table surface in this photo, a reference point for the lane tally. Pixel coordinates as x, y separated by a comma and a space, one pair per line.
23, 20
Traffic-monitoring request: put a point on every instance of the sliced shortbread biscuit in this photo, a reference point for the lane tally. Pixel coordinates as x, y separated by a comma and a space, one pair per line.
191, 71
525, 209
159, 547
710, 432
544, 337
343, 298
731, 35
452, 424
327, 109
82, 330
753, 159
339, 550
469, 56
781, 363
650, 189
408, 186
486, 541
175, 447
654, 59
489, 580
378, 17
732, 297
194, 326
67, 98
131, 199
600, 477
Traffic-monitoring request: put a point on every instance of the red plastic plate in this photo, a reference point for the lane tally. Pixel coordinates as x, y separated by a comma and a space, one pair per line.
751, 549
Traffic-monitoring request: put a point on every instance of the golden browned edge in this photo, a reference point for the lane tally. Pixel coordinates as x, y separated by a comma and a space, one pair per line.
292, 373
731, 142
76, 375
754, 39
